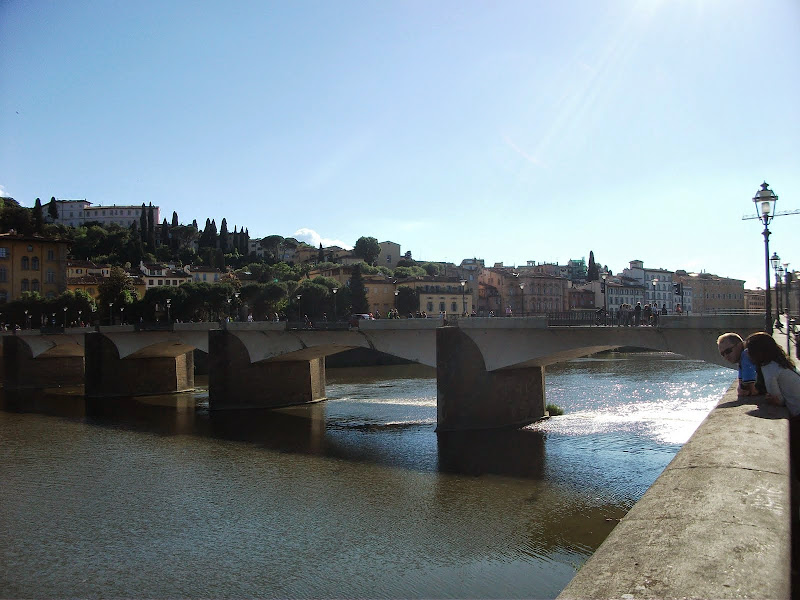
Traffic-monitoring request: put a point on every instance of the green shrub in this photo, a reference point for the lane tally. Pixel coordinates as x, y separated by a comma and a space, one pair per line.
554, 410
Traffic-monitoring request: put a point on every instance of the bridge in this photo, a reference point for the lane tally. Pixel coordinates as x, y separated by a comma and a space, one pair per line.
490, 371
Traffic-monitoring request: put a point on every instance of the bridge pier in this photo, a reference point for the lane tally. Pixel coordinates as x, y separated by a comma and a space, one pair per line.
109, 375
470, 397
235, 383
23, 370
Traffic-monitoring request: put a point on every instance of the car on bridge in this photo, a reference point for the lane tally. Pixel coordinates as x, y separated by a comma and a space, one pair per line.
354, 319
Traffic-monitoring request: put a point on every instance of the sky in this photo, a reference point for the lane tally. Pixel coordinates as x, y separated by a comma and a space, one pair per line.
508, 131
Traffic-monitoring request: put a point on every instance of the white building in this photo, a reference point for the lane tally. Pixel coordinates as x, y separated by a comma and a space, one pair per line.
75, 213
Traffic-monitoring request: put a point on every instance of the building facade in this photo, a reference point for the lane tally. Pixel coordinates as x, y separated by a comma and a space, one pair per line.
32, 263
75, 213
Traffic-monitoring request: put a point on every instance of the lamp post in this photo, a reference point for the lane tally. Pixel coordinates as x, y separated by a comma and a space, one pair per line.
110, 314
80, 324
775, 261
299, 316
396, 293
787, 279
26, 318
604, 289
765, 200
122, 315
463, 283
334, 290
65, 317
169, 306
522, 298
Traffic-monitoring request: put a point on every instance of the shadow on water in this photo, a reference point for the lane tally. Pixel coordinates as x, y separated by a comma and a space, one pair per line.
303, 430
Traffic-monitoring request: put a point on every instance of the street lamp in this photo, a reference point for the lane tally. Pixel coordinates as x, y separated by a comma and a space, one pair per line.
776, 264
299, 317
80, 324
65, 317
463, 283
765, 200
604, 289
522, 298
169, 306
26, 319
122, 316
110, 314
334, 290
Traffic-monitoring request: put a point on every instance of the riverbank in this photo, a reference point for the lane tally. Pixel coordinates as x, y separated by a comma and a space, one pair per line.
715, 524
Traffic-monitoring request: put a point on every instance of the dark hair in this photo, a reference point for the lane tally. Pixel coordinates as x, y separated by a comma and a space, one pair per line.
764, 349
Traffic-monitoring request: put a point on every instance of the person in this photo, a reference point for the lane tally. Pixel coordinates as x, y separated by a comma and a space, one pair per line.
637, 314
781, 378
732, 348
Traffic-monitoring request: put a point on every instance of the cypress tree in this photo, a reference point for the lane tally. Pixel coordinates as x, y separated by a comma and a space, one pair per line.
357, 292
52, 209
223, 235
151, 228
175, 219
38, 216
320, 254
164, 233
143, 224
593, 272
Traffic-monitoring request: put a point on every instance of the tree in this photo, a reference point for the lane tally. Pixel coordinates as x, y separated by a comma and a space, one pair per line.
320, 254
271, 245
116, 289
223, 235
175, 219
359, 294
164, 233
367, 248
151, 228
52, 209
407, 300
593, 272
143, 224
38, 216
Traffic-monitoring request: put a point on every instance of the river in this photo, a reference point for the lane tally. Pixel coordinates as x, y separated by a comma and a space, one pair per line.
353, 497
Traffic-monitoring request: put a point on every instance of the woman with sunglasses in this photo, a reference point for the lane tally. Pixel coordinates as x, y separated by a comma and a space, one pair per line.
780, 375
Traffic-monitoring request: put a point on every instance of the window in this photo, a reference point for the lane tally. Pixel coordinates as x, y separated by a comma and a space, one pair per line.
25, 285
441, 307
160, 282
150, 282
25, 263
453, 307
35, 263
51, 255
3, 274
35, 285
3, 296
3, 252
430, 305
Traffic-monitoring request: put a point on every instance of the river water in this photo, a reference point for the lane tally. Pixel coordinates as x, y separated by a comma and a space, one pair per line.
354, 497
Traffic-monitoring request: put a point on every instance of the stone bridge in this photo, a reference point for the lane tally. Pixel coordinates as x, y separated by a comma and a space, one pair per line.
490, 371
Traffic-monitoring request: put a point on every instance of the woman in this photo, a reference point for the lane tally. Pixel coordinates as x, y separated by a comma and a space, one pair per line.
780, 375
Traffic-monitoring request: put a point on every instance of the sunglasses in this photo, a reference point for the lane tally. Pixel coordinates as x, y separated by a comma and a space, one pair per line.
727, 351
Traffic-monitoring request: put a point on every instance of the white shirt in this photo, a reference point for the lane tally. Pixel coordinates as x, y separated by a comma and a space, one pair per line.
784, 384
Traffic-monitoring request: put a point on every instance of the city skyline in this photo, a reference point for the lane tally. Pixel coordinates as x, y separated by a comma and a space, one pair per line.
514, 132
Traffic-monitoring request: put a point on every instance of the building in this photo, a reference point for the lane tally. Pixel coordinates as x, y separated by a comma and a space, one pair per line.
657, 285
755, 301
78, 212
440, 294
86, 276
32, 263
155, 275
711, 293
528, 290
389, 255
204, 274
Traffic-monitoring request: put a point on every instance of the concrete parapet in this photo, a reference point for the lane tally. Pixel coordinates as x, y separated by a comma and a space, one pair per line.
400, 324
533, 322
715, 524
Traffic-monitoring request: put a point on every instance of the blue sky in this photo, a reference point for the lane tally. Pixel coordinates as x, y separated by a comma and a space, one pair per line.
508, 131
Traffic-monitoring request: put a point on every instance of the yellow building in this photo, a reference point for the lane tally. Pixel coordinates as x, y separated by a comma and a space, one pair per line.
711, 293
32, 263
441, 294
86, 276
